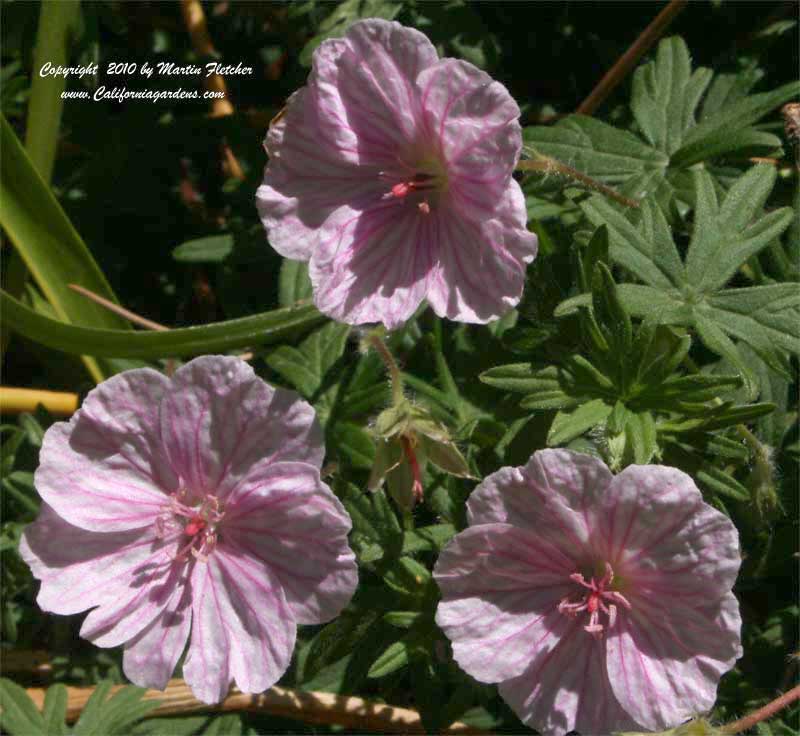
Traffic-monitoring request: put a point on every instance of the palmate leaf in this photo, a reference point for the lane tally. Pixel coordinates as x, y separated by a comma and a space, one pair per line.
671, 136
692, 294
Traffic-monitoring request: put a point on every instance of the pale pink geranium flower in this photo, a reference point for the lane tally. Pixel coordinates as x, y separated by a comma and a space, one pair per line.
391, 173
191, 504
598, 602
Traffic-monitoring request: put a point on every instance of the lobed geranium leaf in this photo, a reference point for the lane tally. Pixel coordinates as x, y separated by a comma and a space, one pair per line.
54, 712
305, 366
19, 715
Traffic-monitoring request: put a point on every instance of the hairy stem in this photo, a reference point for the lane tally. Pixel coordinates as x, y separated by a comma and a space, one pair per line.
762, 714
391, 367
548, 165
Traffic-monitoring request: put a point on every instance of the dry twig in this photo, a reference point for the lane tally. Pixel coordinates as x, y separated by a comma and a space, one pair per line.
319, 708
629, 59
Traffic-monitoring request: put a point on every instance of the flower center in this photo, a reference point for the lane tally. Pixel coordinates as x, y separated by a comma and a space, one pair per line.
596, 598
420, 185
197, 524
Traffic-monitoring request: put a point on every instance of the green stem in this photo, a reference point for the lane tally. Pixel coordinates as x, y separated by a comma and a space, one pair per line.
391, 367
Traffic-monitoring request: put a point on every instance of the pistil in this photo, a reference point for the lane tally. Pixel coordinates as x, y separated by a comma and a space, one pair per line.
599, 599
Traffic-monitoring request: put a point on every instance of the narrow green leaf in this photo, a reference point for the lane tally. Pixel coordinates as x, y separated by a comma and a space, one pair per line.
401, 619
568, 426
609, 310
520, 377
407, 576
51, 248
211, 249
294, 285
721, 482
717, 341
427, 538
391, 660
640, 433
54, 712
262, 329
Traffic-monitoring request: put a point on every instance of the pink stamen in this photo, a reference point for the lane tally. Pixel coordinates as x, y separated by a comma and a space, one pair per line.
200, 530
594, 602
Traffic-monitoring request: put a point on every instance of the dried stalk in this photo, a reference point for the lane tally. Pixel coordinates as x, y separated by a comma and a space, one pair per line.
319, 708
629, 59
17, 400
117, 309
195, 20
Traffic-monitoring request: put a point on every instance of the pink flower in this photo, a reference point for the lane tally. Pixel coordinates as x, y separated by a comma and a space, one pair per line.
390, 172
191, 504
598, 603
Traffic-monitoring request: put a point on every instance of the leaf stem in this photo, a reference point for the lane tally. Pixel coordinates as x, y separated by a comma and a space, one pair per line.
391, 366
549, 165
762, 714
628, 60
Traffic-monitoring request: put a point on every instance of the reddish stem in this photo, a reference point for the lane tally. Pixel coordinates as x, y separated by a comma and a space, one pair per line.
762, 714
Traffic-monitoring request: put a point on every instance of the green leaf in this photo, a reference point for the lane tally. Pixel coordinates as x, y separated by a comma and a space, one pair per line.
294, 285
730, 119
54, 712
392, 659
407, 576
594, 148
727, 234
211, 249
48, 243
427, 538
19, 714
402, 619
568, 426
113, 716
640, 436
666, 94
723, 483
306, 365
267, 328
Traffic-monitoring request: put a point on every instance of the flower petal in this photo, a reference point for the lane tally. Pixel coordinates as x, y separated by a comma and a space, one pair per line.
475, 122
567, 687
478, 277
285, 516
664, 540
365, 86
219, 419
242, 627
373, 266
306, 180
151, 656
665, 658
106, 470
80, 569
554, 495
500, 591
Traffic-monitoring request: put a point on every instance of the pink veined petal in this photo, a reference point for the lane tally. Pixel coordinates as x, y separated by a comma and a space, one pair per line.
105, 470
478, 277
554, 495
475, 122
306, 180
151, 656
567, 687
80, 569
663, 538
285, 516
373, 266
500, 592
365, 87
219, 419
242, 627
118, 619
666, 657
